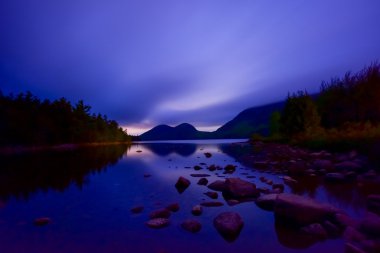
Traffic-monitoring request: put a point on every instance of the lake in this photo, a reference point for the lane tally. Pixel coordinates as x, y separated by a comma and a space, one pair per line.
88, 194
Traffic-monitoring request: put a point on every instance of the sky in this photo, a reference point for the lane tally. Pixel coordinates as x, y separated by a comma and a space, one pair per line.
151, 62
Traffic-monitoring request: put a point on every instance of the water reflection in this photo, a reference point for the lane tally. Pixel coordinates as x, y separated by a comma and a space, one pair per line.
23, 174
165, 149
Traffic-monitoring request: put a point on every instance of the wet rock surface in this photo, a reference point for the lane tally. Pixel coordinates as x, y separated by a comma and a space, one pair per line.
229, 225
191, 225
158, 223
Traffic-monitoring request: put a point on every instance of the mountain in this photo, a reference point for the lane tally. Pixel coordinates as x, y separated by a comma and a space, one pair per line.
183, 131
247, 122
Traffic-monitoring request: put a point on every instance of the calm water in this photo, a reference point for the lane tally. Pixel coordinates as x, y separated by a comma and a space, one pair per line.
88, 194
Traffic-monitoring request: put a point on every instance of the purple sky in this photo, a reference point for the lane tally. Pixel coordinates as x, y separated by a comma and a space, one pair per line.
149, 62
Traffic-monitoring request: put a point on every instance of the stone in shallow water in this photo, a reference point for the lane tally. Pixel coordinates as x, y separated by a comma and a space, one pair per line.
218, 185
213, 195
208, 155
173, 207
267, 202
237, 188
193, 226
203, 181
229, 225
182, 184
197, 210
137, 209
158, 223
42, 221
212, 204
160, 213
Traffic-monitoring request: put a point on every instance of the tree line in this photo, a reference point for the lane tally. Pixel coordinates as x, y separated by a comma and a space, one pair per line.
26, 120
345, 110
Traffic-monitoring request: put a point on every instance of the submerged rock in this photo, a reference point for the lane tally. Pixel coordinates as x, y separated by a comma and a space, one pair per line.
158, 223
208, 155
229, 225
212, 204
160, 213
173, 207
192, 226
42, 221
197, 210
203, 181
182, 184
137, 209
213, 195
197, 167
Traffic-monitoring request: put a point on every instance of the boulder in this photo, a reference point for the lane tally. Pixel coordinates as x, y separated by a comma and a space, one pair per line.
300, 211
197, 210
281, 187
173, 207
158, 223
237, 188
229, 225
192, 226
203, 181
160, 213
213, 195
182, 184
289, 180
267, 202
218, 185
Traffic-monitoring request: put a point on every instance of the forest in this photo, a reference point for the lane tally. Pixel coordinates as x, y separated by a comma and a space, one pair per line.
27, 120
344, 114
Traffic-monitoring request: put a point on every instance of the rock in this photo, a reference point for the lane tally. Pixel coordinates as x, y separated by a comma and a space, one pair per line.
348, 166
316, 230
373, 203
173, 207
197, 210
197, 167
203, 181
137, 209
200, 175
213, 195
182, 184
267, 202
335, 177
146, 175
300, 211
233, 202
158, 223
208, 155
297, 168
211, 167
321, 164
192, 226
42, 221
230, 168
229, 225
237, 188
211, 204
344, 220
218, 185
160, 213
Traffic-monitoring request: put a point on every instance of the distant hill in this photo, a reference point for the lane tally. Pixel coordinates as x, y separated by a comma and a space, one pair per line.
183, 131
249, 121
